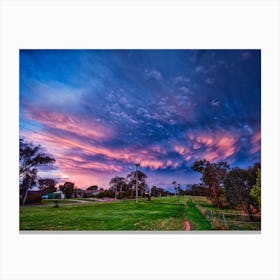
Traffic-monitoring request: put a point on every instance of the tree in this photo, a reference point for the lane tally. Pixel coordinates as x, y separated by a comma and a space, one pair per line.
174, 183
213, 175
255, 191
67, 189
30, 158
238, 184
157, 191
154, 191
141, 177
118, 184
47, 185
198, 190
177, 188
92, 188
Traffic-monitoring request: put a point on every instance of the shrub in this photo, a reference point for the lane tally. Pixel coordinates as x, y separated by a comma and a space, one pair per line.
100, 195
33, 198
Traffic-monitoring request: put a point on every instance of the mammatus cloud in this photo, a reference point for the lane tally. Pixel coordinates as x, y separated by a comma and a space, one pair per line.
214, 146
152, 74
181, 80
107, 110
215, 102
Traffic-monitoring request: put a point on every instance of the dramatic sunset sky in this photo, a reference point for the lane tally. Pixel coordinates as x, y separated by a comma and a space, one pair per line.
100, 111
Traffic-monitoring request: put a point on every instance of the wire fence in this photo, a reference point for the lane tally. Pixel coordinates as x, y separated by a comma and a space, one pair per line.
230, 220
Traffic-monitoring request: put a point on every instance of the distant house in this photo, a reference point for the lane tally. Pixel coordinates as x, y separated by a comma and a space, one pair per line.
86, 193
54, 195
49, 196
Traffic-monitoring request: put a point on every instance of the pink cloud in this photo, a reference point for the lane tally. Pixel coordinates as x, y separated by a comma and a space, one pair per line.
68, 123
256, 143
159, 164
214, 146
72, 155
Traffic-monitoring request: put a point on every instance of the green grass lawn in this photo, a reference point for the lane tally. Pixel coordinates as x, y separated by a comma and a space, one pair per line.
158, 214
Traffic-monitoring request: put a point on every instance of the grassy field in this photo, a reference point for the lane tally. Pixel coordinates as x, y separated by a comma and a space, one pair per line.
158, 214
166, 213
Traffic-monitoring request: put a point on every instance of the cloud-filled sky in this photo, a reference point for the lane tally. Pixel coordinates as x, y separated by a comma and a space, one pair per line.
100, 111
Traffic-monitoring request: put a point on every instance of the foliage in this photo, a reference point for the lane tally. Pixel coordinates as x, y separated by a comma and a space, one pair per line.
139, 176
238, 184
177, 187
255, 191
118, 184
92, 188
198, 190
157, 191
106, 193
67, 189
30, 157
33, 197
213, 175
47, 185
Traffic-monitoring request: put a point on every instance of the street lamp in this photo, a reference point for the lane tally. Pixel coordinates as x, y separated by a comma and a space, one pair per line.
137, 165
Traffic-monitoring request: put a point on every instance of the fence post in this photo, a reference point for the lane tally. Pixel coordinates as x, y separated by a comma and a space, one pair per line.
224, 218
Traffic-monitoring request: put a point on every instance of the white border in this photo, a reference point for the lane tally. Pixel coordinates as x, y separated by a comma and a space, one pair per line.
154, 24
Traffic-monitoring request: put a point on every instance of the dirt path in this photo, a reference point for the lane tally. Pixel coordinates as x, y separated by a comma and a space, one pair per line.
187, 225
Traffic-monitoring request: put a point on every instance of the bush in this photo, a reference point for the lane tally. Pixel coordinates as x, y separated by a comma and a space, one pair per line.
100, 195
33, 198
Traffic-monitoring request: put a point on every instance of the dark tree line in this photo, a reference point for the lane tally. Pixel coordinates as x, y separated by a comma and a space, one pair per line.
126, 187
240, 187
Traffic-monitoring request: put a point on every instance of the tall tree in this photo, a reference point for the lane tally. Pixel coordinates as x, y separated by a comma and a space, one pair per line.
118, 184
67, 189
153, 191
213, 175
141, 178
30, 158
174, 183
238, 184
47, 185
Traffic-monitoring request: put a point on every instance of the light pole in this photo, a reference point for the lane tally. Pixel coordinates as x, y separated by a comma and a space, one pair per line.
136, 165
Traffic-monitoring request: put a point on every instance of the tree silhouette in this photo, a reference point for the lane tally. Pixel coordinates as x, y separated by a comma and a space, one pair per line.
118, 184
67, 189
141, 177
238, 184
47, 185
30, 157
92, 188
213, 175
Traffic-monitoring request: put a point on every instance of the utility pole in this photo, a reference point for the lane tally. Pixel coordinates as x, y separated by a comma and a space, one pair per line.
136, 165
